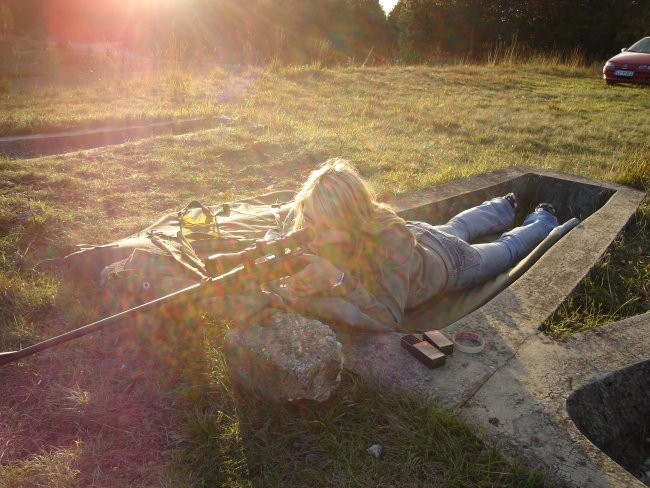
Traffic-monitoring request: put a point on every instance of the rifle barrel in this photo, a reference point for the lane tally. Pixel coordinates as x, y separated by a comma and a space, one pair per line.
231, 282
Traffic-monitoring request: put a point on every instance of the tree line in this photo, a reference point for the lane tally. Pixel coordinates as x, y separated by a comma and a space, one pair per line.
595, 28
335, 31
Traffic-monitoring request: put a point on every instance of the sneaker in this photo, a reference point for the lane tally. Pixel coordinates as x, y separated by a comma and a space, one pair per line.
547, 207
512, 200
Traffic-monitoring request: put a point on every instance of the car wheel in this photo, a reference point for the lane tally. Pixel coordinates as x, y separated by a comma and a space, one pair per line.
610, 82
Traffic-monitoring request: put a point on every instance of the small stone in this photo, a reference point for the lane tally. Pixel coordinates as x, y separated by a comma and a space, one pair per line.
374, 451
24, 217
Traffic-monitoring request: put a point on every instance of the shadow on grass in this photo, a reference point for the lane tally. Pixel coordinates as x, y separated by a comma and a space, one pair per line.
237, 439
151, 403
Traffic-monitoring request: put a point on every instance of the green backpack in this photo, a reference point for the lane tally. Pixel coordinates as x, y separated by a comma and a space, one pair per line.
171, 253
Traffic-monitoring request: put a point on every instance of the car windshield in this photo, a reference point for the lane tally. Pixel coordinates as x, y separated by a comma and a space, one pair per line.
642, 46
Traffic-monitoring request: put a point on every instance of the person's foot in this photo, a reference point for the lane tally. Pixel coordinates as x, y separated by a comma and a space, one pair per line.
547, 207
512, 200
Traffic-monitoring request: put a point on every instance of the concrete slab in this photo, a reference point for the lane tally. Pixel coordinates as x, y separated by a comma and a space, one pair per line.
515, 390
522, 406
36, 145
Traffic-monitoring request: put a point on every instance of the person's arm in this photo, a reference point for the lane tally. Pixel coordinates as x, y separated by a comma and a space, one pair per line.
349, 301
339, 312
387, 300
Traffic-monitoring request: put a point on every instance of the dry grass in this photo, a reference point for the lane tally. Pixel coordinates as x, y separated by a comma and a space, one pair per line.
150, 405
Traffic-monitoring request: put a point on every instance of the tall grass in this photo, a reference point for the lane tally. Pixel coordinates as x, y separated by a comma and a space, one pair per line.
514, 54
617, 287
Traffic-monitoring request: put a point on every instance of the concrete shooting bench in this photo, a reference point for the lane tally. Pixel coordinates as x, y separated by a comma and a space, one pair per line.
517, 389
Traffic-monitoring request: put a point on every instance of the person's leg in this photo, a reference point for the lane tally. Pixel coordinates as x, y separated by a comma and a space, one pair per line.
521, 240
490, 217
502, 254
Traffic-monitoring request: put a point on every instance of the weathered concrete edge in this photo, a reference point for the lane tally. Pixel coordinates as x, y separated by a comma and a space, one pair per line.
509, 323
485, 180
507, 320
522, 408
47, 144
523, 405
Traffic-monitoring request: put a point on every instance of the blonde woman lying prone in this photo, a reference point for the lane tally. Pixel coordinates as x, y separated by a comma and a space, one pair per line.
367, 265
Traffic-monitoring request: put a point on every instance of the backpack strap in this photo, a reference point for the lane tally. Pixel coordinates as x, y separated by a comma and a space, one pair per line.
173, 253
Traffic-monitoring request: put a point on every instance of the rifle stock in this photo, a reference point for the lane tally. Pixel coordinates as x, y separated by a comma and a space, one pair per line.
257, 266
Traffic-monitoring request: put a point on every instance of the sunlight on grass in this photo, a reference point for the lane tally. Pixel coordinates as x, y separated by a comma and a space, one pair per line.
632, 168
252, 443
407, 128
43, 470
618, 286
21, 299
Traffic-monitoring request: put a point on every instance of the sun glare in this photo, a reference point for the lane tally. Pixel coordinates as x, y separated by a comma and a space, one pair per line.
68, 19
154, 2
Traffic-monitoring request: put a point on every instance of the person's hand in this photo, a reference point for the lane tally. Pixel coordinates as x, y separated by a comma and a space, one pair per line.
319, 275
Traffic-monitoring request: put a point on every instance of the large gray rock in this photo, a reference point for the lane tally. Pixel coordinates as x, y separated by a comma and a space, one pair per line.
292, 358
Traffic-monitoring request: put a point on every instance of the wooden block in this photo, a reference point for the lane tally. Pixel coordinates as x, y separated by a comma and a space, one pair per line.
439, 341
423, 351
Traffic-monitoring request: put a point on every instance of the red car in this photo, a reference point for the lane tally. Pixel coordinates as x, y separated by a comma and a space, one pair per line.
631, 66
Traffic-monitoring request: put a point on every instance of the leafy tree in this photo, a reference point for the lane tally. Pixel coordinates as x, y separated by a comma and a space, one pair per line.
435, 29
426, 29
334, 31
300, 31
362, 26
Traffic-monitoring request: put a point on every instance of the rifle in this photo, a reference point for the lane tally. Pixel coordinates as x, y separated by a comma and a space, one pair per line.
262, 262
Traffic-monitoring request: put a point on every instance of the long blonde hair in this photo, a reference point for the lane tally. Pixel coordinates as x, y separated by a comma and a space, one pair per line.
344, 201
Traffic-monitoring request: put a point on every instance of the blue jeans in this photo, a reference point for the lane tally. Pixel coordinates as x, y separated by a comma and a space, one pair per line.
470, 264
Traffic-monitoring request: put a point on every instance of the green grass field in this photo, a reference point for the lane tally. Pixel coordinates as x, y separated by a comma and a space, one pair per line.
152, 405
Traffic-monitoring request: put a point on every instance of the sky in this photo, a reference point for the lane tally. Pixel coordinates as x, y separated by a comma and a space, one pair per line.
388, 5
